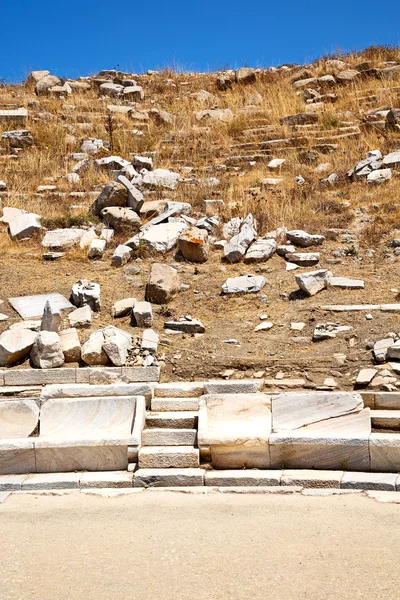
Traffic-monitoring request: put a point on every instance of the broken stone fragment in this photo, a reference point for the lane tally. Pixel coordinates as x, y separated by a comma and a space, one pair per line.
164, 237
160, 178
194, 245
122, 308
236, 248
86, 292
15, 345
164, 284
150, 340
46, 351
186, 325
135, 199
81, 317
51, 320
313, 282
20, 138
70, 345
142, 314
298, 237
97, 248
122, 255
244, 284
116, 344
24, 226
62, 239
113, 194
92, 352
120, 218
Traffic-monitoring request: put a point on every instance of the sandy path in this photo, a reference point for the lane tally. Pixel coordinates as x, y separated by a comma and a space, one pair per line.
172, 546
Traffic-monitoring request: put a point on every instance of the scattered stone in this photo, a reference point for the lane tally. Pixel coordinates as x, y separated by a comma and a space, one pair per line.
81, 317
62, 239
150, 340
86, 292
113, 194
365, 376
97, 248
120, 218
303, 239
264, 326
122, 308
20, 138
142, 314
164, 284
186, 325
15, 345
70, 345
244, 284
346, 283
313, 282
194, 245
304, 259
51, 320
116, 344
46, 351
122, 255
160, 178
326, 331
162, 238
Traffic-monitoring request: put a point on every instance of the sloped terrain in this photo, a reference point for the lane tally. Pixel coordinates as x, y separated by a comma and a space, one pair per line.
221, 133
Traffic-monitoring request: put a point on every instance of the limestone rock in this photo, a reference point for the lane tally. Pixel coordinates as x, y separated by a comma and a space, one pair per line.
122, 255
134, 93
20, 138
86, 292
51, 320
81, 317
45, 83
215, 114
135, 197
62, 239
164, 284
300, 238
122, 308
142, 314
112, 90
163, 237
313, 282
92, 352
24, 226
46, 351
97, 248
260, 250
160, 178
15, 345
194, 245
244, 284
116, 344
113, 194
70, 345
236, 248
186, 325
245, 75
120, 218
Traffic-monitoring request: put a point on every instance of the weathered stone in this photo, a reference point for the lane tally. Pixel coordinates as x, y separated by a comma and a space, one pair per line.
300, 238
46, 351
163, 237
70, 345
113, 194
86, 292
161, 178
15, 345
142, 314
186, 325
150, 340
45, 83
135, 197
299, 119
392, 159
236, 248
164, 284
116, 344
380, 176
92, 352
51, 320
134, 93
245, 75
122, 308
62, 239
120, 218
81, 317
122, 255
30, 307
194, 245
244, 284
215, 114
346, 283
97, 248
313, 282
24, 226
18, 139
304, 259
113, 90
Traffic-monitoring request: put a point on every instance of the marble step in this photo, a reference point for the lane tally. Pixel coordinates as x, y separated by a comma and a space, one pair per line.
172, 420
385, 419
174, 404
168, 477
168, 457
169, 437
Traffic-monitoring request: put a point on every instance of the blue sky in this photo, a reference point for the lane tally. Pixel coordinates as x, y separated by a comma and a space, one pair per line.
81, 37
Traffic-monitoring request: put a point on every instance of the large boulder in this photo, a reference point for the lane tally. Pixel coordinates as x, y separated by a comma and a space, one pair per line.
194, 245
164, 284
46, 351
15, 345
113, 194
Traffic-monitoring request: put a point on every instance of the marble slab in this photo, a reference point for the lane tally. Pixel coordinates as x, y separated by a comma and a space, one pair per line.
29, 307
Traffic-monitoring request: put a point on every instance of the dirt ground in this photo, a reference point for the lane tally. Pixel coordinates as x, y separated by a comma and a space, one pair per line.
204, 356
176, 546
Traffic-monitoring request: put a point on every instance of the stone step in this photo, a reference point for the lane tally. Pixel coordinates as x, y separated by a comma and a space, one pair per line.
387, 401
174, 404
160, 457
168, 478
64, 481
385, 419
169, 437
179, 389
172, 420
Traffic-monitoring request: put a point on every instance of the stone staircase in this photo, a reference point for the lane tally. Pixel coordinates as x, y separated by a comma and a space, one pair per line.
169, 455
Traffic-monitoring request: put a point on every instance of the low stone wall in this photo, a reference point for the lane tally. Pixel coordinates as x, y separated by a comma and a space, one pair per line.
20, 377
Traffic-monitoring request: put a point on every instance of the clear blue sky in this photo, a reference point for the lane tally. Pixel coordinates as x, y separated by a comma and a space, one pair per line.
81, 37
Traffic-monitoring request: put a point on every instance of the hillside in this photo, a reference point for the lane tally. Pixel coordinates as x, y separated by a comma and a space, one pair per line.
246, 157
